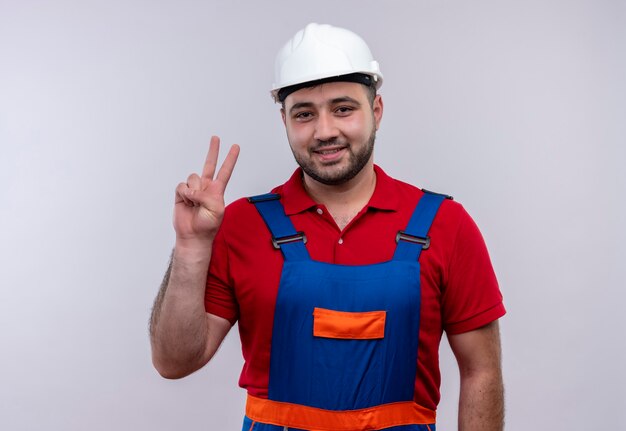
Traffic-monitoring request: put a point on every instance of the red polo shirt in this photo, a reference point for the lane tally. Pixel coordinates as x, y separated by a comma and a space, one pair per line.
459, 289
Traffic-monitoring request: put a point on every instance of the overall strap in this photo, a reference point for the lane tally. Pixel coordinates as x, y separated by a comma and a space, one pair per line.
284, 234
414, 238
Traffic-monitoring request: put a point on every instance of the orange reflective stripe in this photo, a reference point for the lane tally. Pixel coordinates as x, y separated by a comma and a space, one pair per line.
349, 325
311, 418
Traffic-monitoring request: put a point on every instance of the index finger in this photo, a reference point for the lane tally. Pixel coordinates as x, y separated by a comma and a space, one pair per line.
208, 170
228, 165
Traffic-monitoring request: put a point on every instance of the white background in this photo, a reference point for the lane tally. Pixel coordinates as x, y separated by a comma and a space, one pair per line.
515, 108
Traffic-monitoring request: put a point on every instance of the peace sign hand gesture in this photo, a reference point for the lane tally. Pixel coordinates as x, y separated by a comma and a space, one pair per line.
199, 204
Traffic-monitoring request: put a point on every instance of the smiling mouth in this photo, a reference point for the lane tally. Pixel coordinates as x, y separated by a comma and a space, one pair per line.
331, 151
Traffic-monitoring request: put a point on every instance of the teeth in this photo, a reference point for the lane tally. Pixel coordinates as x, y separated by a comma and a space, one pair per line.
329, 151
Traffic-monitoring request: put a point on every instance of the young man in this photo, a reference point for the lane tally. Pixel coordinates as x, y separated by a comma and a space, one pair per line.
342, 280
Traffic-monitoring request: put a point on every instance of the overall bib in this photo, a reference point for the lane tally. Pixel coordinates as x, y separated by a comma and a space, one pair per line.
345, 338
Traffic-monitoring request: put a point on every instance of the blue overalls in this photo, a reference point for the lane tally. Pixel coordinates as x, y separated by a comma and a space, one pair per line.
345, 338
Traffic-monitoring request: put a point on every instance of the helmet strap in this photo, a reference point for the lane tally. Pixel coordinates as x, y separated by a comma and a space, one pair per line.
359, 78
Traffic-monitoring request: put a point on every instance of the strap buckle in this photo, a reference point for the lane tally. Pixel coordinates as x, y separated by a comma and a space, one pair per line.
403, 236
440, 194
263, 198
299, 236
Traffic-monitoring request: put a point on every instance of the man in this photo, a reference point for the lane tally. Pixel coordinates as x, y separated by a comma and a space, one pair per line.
342, 280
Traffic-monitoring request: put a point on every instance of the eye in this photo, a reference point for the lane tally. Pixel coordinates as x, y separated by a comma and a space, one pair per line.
344, 110
303, 116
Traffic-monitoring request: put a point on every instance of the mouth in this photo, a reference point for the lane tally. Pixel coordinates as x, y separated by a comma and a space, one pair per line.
326, 151
330, 153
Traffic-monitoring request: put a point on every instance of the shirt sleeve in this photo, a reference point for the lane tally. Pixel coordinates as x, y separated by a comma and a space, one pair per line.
219, 297
471, 297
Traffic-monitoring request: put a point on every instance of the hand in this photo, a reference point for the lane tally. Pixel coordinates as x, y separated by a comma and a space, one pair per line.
199, 204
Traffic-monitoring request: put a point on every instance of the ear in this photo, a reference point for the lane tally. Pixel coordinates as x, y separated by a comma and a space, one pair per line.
377, 108
282, 114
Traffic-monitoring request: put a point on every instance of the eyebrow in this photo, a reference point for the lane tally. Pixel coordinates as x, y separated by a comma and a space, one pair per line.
334, 101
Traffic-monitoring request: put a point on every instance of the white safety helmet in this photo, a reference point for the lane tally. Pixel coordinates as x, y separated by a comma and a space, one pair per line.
323, 52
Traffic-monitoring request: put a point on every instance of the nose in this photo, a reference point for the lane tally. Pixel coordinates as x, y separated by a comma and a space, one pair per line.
325, 128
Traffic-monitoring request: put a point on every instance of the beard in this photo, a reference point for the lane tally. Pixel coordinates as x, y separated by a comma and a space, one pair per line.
330, 177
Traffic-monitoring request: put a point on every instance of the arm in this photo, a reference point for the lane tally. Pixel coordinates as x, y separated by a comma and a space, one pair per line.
481, 402
183, 336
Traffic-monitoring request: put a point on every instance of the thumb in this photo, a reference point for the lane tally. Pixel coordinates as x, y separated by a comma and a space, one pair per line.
198, 197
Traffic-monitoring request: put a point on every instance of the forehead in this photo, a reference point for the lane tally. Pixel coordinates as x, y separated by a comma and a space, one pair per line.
325, 93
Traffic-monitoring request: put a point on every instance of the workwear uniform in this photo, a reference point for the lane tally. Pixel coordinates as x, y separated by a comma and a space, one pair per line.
345, 350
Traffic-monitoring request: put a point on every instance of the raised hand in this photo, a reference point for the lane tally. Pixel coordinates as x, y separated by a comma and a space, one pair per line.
199, 204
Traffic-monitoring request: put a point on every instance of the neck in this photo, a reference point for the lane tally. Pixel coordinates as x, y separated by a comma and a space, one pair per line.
345, 200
